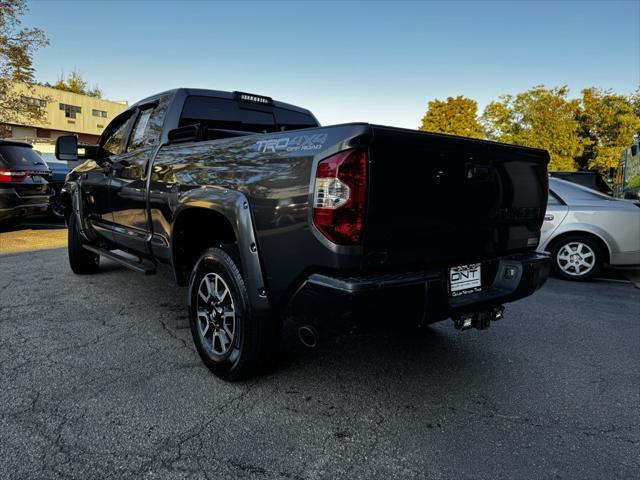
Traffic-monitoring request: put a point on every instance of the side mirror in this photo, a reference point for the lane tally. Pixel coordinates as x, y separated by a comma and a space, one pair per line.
67, 148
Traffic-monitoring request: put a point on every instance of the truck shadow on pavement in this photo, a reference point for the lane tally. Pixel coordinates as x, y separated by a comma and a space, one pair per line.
436, 353
432, 354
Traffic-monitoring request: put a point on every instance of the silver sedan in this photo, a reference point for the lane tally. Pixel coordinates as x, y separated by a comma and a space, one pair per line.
584, 229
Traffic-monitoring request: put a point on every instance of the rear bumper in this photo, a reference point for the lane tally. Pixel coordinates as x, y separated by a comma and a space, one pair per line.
13, 205
346, 304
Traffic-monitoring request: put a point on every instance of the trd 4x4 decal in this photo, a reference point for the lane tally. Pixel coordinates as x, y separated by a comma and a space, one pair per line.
298, 143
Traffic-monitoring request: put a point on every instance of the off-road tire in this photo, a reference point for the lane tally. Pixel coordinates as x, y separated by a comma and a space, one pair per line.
81, 261
255, 337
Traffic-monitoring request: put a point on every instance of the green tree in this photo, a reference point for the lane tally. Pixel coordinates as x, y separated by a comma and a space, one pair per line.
76, 84
453, 116
540, 117
608, 123
17, 46
498, 120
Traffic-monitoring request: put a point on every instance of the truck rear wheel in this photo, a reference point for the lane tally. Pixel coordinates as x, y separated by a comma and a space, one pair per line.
81, 261
232, 341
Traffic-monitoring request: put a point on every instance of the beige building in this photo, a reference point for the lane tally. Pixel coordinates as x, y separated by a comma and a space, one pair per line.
67, 113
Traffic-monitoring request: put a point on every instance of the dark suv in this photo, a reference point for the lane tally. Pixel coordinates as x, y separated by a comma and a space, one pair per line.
592, 180
24, 181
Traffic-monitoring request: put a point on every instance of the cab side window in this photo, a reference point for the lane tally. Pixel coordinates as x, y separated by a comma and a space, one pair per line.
148, 127
113, 144
140, 137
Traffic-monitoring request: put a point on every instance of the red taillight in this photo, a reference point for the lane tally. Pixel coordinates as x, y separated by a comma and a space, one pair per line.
340, 197
18, 176
12, 176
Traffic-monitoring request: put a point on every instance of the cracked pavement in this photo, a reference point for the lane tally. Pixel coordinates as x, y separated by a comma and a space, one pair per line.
99, 379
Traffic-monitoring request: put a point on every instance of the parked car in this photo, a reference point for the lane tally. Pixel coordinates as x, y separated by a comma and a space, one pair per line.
24, 182
591, 180
269, 217
59, 170
584, 229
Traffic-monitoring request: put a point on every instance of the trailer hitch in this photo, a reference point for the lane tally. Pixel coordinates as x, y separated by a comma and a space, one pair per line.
479, 320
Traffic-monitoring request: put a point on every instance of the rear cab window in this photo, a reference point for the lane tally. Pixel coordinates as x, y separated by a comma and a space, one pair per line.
228, 114
292, 120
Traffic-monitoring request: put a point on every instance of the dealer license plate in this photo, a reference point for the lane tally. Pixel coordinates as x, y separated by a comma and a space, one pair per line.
465, 279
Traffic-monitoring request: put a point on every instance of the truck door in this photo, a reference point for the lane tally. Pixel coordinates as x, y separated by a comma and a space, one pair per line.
127, 191
95, 181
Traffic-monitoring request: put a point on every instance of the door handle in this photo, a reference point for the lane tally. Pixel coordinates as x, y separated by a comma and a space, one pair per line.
548, 217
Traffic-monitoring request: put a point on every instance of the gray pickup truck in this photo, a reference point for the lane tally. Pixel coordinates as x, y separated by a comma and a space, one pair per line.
272, 220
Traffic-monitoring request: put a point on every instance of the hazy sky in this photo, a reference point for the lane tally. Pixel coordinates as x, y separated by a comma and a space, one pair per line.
379, 62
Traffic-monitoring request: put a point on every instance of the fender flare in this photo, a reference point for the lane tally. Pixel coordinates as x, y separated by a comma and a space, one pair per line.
234, 206
72, 191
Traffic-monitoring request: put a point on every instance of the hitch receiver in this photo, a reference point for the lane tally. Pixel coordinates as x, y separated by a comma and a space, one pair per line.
479, 320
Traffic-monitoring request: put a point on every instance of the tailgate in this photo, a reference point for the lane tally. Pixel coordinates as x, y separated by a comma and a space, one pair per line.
442, 199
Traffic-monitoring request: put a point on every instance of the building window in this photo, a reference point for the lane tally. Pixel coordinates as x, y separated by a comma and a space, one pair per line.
36, 102
99, 113
70, 111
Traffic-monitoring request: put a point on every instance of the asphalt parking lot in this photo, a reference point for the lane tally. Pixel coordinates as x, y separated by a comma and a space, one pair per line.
99, 379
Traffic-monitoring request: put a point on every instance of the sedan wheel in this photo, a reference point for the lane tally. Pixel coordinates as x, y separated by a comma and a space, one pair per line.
577, 258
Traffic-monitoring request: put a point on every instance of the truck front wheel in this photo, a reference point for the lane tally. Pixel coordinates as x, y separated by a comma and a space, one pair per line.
232, 341
82, 261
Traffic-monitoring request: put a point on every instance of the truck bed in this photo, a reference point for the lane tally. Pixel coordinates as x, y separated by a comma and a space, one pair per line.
433, 200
